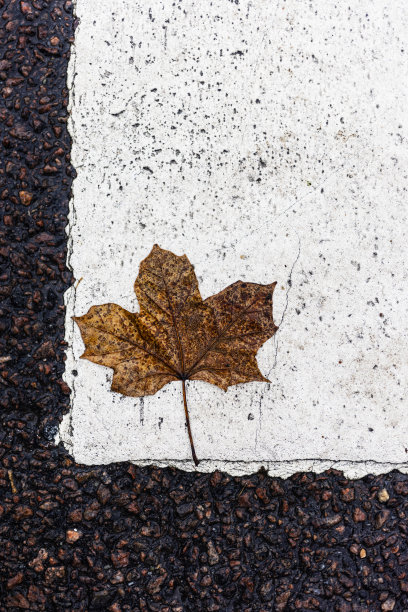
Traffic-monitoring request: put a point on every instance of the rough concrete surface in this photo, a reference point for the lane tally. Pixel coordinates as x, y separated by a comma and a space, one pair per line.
266, 141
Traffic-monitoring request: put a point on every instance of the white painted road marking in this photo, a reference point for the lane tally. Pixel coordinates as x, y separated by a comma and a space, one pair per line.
265, 140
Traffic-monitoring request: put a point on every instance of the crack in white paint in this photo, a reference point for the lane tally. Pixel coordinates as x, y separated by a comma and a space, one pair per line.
276, 336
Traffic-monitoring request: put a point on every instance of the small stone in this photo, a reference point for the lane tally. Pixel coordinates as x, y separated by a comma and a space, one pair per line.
281, 600
120, 558
388, 604
26, 8
381, 518
54, 573
213, 556
328, 521
15, 580
359, 516
103, 494
184, 509
244, 500
75, 515
18, 601
22, 512
48, 169
70, 484
154, 585
25, 197
347, 494
91, 511
276, 488
262, 495
133, 507
49, 505
73, 535
363, 553
45, 351
216, 478
117, 578
35, 594
37, 563
266, 590
383, 496
5, 65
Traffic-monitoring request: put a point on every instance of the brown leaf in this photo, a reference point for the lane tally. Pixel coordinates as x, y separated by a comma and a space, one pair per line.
176, 335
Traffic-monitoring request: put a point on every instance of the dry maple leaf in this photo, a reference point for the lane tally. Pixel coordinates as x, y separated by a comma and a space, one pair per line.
178, 336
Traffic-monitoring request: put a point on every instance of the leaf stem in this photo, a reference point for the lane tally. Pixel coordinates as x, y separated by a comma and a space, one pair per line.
196, 461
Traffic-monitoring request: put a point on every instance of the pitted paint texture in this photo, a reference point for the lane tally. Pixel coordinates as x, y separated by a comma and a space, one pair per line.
266, 141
